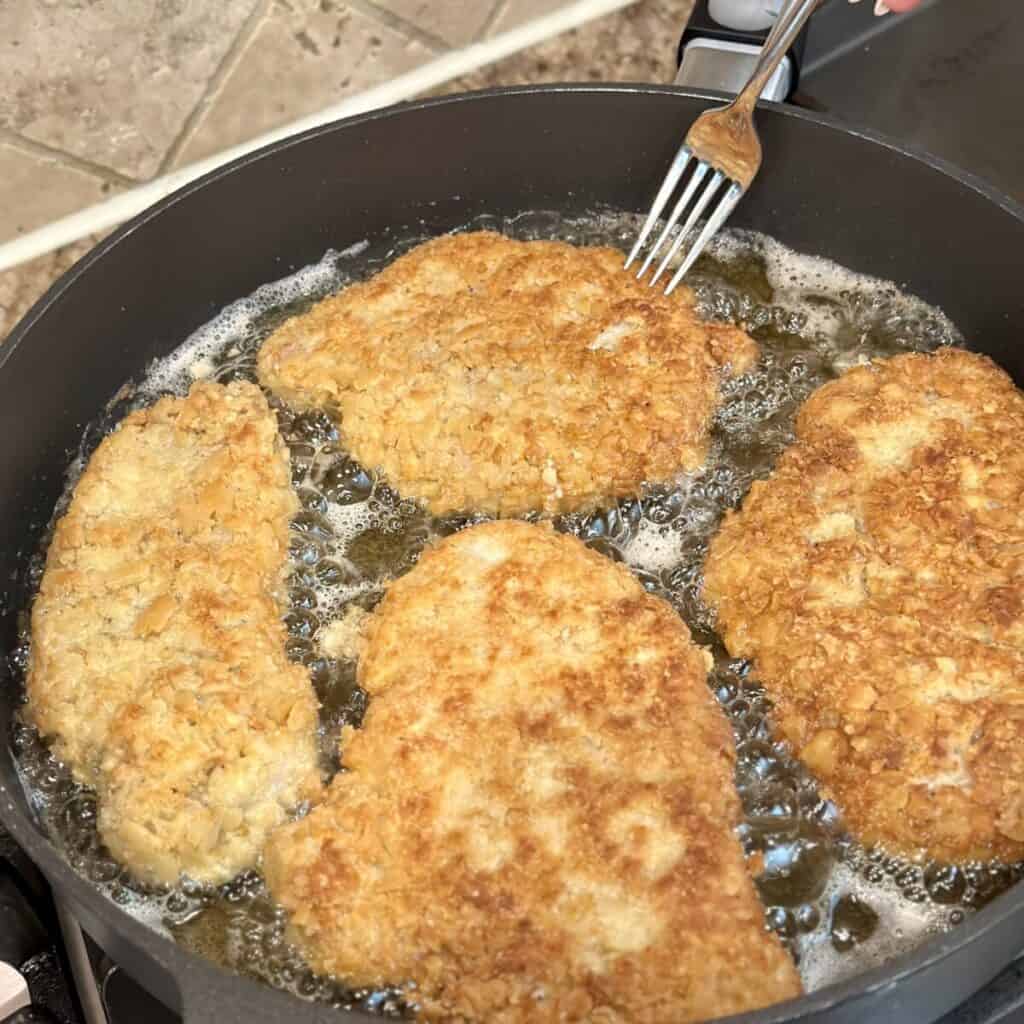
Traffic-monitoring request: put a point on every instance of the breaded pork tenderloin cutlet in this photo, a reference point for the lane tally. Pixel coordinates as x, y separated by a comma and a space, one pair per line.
877, 580
158, 661
537, 819
481, 373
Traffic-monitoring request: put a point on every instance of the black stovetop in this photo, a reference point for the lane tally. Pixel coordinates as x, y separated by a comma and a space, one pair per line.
944, 80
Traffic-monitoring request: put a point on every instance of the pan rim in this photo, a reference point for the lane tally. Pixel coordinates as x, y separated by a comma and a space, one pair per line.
176, 959
941, 166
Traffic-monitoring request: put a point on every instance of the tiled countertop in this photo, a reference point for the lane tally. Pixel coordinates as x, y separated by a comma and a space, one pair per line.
109, 94
637, 44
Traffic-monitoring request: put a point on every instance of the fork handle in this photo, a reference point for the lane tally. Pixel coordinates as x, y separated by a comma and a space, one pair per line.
788, 26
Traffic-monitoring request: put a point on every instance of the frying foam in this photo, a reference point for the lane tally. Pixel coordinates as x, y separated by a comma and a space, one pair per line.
235, 326
654, 548
820, 319
902, 925
838, 306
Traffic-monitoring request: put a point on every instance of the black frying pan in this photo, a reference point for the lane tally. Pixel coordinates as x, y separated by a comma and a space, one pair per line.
856, 199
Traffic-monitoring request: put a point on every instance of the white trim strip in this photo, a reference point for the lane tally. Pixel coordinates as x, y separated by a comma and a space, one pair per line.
126, 205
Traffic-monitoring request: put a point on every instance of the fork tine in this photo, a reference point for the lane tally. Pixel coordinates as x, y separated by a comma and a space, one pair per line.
714, 222
698, 176
675, 172
706, 196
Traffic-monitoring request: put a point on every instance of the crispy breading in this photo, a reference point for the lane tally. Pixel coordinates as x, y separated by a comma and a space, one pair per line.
481, 373
877, 580
158, 661
537, 819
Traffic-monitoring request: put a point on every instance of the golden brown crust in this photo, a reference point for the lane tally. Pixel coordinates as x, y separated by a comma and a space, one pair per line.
482, 373
536, 824
158, 659
877, 579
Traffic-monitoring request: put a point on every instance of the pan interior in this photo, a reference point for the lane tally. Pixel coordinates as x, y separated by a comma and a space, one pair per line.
839, 907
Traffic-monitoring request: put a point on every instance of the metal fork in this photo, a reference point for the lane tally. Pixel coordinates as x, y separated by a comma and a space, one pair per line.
723, 143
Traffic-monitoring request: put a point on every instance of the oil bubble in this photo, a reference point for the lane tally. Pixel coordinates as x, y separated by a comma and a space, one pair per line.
355, 533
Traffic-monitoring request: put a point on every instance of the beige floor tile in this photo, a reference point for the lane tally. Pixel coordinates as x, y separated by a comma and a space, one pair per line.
306, 55
455, 22
21, 286
636, 44
111, 81
37, 189
518, 12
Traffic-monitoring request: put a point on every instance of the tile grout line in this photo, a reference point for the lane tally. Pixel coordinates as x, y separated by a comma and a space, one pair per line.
388, 19
228, 63
449, 66
491, 20
30, 146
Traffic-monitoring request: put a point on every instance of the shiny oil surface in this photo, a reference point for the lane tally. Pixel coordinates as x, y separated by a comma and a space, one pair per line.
838, 907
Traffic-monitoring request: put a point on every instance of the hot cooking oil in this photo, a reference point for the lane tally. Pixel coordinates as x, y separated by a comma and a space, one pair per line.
838, 907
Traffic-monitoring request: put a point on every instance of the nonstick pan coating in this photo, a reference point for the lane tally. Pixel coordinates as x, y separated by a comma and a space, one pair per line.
860, 201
